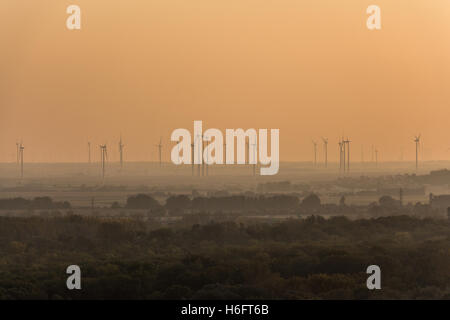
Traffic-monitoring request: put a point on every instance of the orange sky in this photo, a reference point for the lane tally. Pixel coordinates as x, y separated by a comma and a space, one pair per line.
144, 68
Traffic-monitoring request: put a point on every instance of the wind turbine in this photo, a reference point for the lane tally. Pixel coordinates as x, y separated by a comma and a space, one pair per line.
342, 156
417, 141
344, 148
325, 149
21, 148
104, 157
17, 153
376, 157
224, 151
315, 152
159, 146
348, 154
121, 145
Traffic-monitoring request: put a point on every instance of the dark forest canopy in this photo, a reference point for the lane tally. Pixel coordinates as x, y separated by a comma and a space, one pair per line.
44, 203
228, 203
312, 258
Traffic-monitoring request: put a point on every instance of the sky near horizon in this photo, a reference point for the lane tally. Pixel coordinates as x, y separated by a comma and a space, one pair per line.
145, 68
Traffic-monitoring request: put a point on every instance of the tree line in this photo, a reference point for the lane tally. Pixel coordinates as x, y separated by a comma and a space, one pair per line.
44, 203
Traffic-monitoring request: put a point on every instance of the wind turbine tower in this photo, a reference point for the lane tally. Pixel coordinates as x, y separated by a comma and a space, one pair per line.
17, 153
376, 157
417, 141
104, 157
348, 154
21, 148
224, 152
121, 145
325, 149
315, 153
159, 146
344, 148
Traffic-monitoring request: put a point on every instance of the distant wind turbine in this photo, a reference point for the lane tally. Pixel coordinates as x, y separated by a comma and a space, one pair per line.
344, 148
121, 146
348, 154
315, 152
21, 148
417, 142
159, 146
325, 149
104, 157
17, 153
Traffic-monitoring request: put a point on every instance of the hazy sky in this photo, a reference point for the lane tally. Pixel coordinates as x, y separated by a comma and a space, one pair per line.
144, 68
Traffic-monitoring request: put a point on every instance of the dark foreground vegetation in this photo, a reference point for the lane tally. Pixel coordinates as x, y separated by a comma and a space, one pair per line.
312, 258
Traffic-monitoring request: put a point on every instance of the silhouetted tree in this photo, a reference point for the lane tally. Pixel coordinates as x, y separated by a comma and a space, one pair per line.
142, 201
311, 202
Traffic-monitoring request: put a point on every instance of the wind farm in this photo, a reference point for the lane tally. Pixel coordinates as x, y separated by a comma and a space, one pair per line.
110, 171
341, 165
